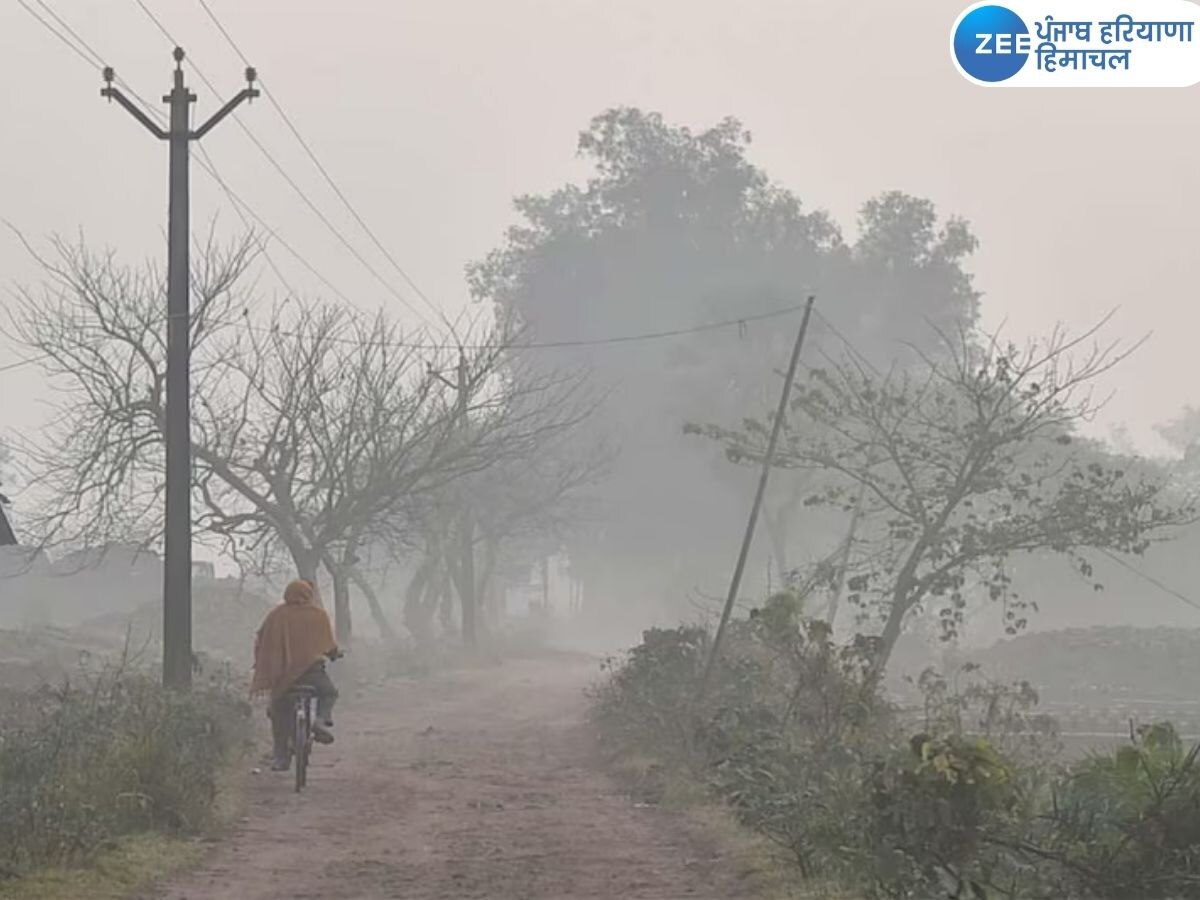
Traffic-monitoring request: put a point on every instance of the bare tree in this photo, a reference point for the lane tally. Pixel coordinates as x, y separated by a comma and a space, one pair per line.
99, 330
307, 431
315, 435
519, 419
964, 460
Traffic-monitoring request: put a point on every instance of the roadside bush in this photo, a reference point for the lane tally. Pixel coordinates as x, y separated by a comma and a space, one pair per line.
644, 703
971, 802
789, 752
108, 754
1127, 824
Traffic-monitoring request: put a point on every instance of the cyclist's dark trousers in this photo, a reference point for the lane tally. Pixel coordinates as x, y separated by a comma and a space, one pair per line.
280, 711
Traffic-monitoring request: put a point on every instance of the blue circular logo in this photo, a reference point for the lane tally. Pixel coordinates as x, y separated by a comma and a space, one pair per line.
991, 43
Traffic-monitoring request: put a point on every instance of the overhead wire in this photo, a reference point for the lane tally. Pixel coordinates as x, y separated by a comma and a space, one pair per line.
96, 58
533, 345
84, 49
1150, 579
98, 61
237, 208
580, 342
29, 361
205, 162
329, 179
312, 206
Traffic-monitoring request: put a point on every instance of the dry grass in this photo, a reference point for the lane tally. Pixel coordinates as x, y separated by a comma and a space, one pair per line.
123, 871
761, 864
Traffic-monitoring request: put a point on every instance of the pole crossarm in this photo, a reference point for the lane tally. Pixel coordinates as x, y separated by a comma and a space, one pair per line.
244, 95
111, 93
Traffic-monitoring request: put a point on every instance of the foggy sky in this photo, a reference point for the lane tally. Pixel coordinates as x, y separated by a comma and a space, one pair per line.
432, 115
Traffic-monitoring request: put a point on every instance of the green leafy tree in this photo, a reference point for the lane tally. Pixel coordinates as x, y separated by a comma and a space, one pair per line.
677, 228
967, 459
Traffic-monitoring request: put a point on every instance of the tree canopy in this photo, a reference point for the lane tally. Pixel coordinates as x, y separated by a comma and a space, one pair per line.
678, 228
961, 462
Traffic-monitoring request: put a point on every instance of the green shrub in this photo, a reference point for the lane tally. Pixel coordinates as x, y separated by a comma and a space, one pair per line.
110, 754
1127, 823
645, 701
971, 803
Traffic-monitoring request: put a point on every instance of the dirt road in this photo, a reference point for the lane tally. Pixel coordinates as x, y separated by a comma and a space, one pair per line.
469, 785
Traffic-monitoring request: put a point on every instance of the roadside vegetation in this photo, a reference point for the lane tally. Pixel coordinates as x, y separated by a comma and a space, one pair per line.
94, 769
966, 797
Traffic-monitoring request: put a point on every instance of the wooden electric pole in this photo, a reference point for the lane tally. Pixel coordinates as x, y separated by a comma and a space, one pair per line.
177, 544
756, 506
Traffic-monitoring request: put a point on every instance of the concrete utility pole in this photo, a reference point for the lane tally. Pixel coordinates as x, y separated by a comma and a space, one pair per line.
756, 506
466, 519
177, 565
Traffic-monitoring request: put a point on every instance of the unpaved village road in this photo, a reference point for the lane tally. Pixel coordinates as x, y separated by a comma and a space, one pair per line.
471, 784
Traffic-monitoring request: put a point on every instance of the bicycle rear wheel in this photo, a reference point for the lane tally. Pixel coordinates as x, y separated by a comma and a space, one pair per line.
302, 746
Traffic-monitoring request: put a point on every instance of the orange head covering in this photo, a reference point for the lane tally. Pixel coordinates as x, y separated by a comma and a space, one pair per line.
300, 592
295, 634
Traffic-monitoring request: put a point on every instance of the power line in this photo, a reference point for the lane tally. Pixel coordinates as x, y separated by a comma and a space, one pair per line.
99, 61
320, 166
29, 361
157, 22
583, 342
417, 345
207, 158
58, 34
1150, 579
847, 342
204, 152
283, 173
206, 164
211, 170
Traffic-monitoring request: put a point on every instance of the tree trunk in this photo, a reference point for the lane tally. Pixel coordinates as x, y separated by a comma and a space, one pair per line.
464, 579
377, 614
445, 596
889, 636
418, 612
305, 560
485, 589
343, 627
844, 562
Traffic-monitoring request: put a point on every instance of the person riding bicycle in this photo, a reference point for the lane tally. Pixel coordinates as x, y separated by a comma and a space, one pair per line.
290, 649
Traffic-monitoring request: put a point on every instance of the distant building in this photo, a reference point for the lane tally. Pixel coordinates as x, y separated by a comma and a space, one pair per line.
203, 570
116, 558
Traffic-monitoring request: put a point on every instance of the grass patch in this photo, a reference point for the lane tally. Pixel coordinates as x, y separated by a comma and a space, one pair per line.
107, 780
133, 864
758, 862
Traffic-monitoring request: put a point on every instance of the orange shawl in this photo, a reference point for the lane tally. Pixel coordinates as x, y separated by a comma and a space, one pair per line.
295, 634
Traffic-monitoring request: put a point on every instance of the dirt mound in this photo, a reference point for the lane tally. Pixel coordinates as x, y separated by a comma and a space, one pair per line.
224, 620
1103, 663
29, 657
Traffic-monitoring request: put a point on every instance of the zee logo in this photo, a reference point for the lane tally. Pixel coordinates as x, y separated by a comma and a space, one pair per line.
991, 43
1002, 44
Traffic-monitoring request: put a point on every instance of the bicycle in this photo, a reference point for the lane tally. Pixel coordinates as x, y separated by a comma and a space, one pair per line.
301, 741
